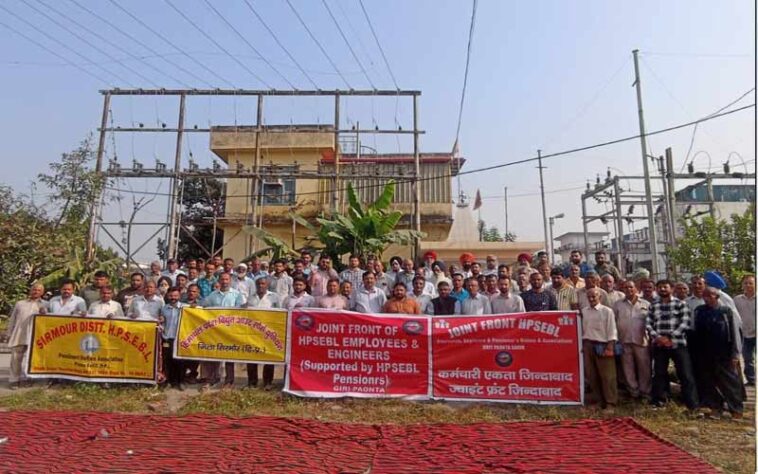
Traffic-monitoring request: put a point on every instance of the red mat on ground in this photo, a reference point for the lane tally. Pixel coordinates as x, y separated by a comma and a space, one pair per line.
103, 442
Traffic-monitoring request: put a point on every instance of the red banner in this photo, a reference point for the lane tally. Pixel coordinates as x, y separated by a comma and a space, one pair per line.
523, 358
339, 354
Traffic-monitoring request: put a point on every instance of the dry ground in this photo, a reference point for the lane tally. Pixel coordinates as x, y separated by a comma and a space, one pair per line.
727, 444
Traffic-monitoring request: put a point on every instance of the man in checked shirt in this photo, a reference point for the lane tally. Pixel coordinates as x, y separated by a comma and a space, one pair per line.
668, 321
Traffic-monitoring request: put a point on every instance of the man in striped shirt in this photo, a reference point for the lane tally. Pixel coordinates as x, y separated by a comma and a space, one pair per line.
564, 294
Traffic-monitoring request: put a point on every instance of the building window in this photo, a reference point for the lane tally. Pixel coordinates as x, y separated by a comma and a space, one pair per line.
278, 192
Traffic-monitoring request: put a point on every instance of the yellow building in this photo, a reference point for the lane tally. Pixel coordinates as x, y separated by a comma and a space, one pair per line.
311, 151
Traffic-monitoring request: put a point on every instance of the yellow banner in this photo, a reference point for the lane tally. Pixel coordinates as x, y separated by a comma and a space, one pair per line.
232, 335
92, 349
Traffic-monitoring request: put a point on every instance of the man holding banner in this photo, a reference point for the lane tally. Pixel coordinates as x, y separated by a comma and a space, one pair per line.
105, 307
68, 303
18, 329
224, 297
262, 299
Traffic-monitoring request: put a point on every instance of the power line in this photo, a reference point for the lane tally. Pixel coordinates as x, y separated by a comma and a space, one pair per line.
253, 48
112, 44
71, 63
465, 72
349, 46
318, 43
218, 45
167, 41
376, 38
527, 160
87, 42
60, 43
286, 51
145, 46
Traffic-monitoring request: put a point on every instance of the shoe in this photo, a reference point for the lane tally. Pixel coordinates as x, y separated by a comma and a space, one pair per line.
657, 404
14, 385
750, 383
736, 415
191, 380
228, 385
252, 385
268, 387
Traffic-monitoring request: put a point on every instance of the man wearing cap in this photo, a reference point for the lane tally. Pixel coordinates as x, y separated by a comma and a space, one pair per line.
466, 260
241, 282
715, 280
715, 347
524, 260
745, 303
430, 256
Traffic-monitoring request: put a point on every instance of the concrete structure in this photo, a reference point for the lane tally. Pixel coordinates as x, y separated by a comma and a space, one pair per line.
464, 237
313, 152
571, 241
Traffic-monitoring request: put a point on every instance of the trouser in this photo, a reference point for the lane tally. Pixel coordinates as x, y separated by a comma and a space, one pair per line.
17, 364
636, 365
210, 371
252, 374
681, 357
601, 373
172, 368
229, 372
719, 381
748, 354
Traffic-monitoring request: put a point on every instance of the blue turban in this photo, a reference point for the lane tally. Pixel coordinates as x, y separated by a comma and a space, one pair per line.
714, 279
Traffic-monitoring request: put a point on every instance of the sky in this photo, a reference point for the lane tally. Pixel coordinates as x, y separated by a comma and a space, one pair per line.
547, 75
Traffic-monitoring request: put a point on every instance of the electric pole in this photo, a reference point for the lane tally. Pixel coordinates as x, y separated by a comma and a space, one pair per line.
648, 193
505, 193
542, 193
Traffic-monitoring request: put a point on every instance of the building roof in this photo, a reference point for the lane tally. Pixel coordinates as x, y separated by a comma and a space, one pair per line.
589, 234
395, 158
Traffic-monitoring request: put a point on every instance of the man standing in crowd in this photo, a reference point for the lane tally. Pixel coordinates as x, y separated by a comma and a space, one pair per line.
19, 326
422, 298
369, 298
608, 283
155, 271
395, 266
681, 291
279, 282
224, 297
565, 295
575, 258
406, 275
193, 274
667, 324
353, 273
307, 257
466, 260
321, 276
491, 287
105, 307
745, 303
67, 303
546, 270
262, 299
91, 293
506, 302
346, 290
125, 297
537, 298
299, 297
400, 303
256, 272
696, 299
490, 265
227, 266
173, 369
475, 303
445, 304
208, 282
647, 287
384, 281
599, 335
241, 282
332, 299
604, 266
458, 292
716, 347
631, 319
591, 280
430, 256
146, 307
172, 270
192, 299
574, 278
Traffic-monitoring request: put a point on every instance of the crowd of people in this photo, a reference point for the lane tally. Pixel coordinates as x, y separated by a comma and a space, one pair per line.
632, 328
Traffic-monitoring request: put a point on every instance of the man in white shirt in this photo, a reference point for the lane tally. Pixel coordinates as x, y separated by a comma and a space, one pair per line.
631, 318
745, 304
19, 327
146, 307
279, 282
491, 265
369, 298
608, 283
224, 297
172, 270
423, 299
506, 302
299, 297
263, 299
406, 275
67, 303
105, 307
599, 335
475, 303
241, 282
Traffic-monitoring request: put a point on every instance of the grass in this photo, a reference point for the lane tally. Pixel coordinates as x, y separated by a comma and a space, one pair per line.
727, 444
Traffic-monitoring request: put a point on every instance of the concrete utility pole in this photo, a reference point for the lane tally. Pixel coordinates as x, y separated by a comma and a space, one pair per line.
176, 182
542, 193
646, 172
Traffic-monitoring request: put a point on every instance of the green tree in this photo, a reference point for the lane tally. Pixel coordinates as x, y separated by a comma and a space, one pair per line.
724, 245
366, 229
